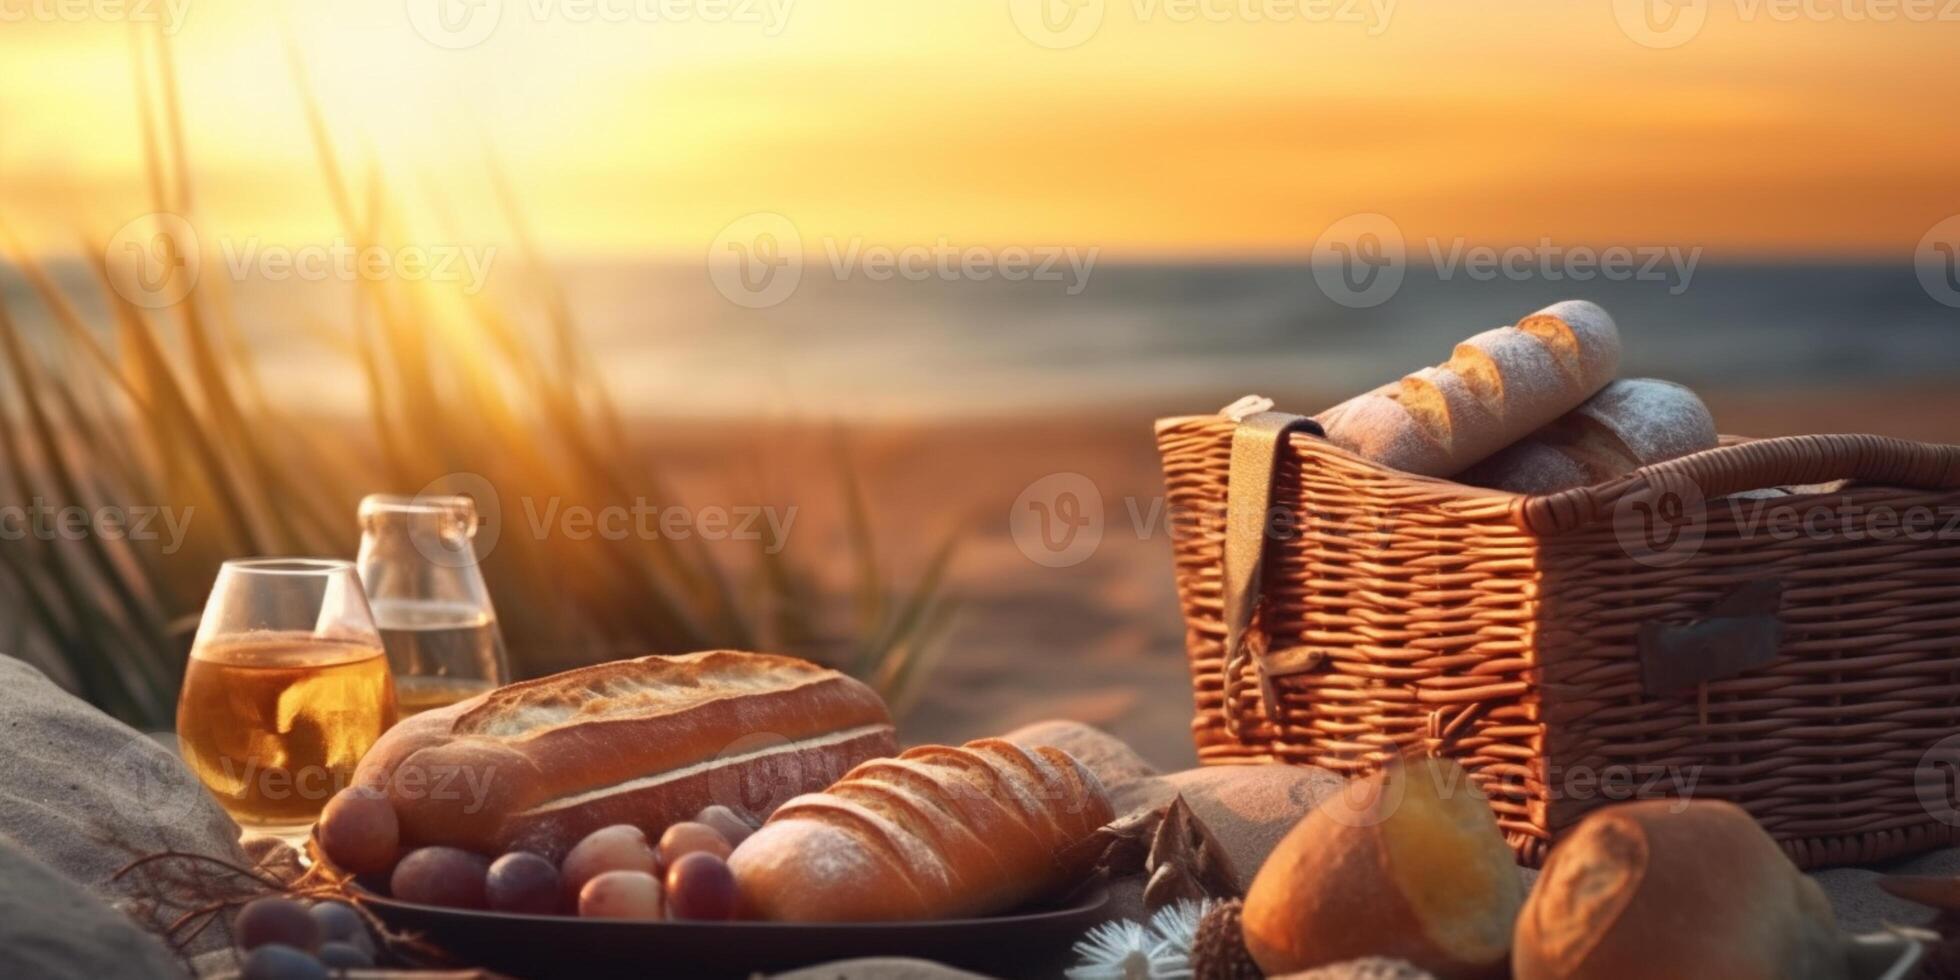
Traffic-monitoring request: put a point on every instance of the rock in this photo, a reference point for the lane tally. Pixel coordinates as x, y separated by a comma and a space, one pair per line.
52, 927
1366, 968
1113, 762
878, 968
1248, 808
84, 794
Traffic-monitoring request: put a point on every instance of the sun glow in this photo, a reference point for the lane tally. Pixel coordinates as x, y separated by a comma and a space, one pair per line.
632, 126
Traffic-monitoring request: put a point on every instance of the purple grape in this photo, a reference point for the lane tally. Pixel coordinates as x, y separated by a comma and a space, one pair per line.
446, 876
276, 961
340, 923
524, 882
265, 921
345, 956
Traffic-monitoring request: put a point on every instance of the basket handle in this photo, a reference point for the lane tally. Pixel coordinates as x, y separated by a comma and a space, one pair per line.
1256, 444
1755, 465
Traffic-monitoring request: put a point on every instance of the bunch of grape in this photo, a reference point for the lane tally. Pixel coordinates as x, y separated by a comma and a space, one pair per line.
615, 872
285, 940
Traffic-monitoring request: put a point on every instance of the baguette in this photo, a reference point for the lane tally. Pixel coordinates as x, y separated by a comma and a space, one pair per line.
538, 765
939, 832
1497, 387
1629, 424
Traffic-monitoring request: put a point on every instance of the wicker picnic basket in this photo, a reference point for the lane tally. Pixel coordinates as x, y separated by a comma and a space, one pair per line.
1590, 645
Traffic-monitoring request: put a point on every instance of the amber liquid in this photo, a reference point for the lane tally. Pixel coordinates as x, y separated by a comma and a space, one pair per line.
414, 695
274, 725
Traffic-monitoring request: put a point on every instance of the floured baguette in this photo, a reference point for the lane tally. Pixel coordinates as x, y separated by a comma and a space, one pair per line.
1497, 387
538, 765
939, 832
1629, 424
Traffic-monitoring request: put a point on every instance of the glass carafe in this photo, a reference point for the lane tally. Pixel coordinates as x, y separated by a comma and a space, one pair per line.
419, 567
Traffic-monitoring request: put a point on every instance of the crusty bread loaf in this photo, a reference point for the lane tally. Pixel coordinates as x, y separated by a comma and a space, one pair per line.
939, 832
539, 764
1497, 387
1666, 888
1631, 423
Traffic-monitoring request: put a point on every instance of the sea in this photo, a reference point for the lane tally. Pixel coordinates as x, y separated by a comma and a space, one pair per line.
680, 340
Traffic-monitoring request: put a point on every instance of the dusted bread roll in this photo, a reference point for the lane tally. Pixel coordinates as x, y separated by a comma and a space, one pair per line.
1662, 888
938, 832
1498, 387
537, 765
1629, 424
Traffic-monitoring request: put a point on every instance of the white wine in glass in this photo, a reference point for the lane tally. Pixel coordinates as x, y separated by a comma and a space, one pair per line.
287, 687
419, 566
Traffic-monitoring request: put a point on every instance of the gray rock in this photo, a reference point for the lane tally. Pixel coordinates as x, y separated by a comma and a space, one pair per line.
1113, 762
879, 968
51, 927
1366, 968
84, 794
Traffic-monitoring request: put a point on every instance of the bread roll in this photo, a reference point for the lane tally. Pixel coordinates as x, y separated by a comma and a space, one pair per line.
1666, 888
539, 764
1498, 387
938, 832
1629, 424
1407, 862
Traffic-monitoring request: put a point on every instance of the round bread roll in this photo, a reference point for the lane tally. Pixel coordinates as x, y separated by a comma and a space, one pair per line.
1407, 863
1667, 888
1631, 423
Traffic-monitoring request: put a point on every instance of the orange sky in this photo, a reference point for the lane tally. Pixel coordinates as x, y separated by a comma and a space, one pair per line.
1206, 127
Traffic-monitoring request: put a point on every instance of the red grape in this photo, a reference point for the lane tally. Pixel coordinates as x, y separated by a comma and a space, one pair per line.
687, 837
524, 882
620, 847
733, 827
700, 886
359, 831
265, 921
621, 895
445, 876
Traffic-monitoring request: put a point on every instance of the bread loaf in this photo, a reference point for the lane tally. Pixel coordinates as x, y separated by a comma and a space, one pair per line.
1497, 387
539, 764
1629, 424
938, 832
1666, 888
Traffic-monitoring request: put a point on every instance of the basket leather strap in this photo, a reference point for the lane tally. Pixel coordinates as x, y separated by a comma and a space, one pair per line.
1248, 506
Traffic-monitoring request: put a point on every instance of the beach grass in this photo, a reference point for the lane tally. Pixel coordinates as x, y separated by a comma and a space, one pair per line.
166, 407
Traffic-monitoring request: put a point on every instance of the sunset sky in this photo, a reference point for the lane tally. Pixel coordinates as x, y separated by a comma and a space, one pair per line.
1159, 127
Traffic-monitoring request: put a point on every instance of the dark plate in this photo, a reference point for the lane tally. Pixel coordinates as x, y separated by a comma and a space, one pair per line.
552, 945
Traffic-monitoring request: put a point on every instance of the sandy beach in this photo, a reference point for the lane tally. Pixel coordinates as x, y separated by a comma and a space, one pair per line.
1101, 640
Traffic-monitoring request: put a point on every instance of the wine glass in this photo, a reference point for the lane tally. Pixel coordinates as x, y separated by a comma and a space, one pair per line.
286, 689
419, 566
